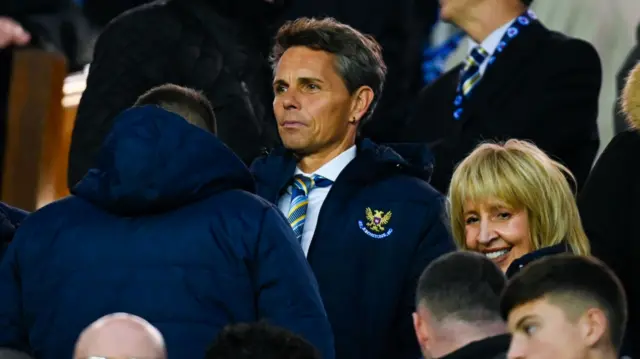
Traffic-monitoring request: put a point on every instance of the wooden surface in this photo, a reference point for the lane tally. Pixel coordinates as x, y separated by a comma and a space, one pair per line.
42, 108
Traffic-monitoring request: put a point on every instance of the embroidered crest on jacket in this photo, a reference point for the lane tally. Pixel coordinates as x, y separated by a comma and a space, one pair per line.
377, 220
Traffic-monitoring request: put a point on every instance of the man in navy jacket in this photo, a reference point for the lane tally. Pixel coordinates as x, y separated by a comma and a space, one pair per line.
165, 227
365, 216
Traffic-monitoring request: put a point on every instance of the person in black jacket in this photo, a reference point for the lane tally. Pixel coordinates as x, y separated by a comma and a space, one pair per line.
458, 308
520, 80
609, 205
364, 214
217, 46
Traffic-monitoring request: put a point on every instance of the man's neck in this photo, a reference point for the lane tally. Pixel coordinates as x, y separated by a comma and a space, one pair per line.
488, 17
312, 162
602, 352
456, 337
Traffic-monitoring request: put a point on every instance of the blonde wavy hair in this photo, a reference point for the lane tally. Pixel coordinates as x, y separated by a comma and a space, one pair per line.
525, 178
630, 99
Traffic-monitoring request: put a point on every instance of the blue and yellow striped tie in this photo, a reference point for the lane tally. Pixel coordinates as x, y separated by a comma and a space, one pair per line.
300, 189
471, 72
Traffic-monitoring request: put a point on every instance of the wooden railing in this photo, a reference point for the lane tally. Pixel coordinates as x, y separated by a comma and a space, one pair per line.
43, 101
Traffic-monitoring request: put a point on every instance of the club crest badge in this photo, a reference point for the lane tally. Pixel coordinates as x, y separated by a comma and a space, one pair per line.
377, 221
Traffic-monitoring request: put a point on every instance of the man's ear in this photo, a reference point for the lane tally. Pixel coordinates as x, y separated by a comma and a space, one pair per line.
361, 101
594, 325
422, 333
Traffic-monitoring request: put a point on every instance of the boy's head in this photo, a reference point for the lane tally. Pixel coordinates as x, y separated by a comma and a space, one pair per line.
458, 301
190, 104
564, 307
260, 341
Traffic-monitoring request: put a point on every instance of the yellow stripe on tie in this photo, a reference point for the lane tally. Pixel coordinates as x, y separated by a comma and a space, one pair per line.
294, 223
306, 190
293, 209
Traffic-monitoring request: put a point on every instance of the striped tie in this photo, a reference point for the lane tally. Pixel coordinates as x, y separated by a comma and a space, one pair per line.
471, 72
300, 189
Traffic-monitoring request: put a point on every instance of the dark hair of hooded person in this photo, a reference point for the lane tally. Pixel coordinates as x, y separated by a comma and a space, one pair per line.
188, 103
462, 285
260, 341
358, 57
574, 284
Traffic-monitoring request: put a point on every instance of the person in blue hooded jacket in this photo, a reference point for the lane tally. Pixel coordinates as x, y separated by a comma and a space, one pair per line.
366, 217
164, 227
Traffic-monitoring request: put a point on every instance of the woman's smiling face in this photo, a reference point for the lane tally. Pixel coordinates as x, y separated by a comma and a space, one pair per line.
497, 230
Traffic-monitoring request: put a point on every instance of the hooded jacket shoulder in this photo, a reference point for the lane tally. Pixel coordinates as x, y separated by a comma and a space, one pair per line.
164, 227
154, 161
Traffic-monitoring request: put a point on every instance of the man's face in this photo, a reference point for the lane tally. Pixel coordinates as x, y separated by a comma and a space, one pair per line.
312, 105
542, 330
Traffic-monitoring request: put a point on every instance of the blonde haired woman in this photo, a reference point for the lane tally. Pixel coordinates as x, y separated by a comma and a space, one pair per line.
610, 207
514, 204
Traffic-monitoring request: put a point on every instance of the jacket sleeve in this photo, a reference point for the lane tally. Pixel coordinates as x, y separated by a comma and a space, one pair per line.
13, 334
14, 214
287, 290
435, 242
10, 220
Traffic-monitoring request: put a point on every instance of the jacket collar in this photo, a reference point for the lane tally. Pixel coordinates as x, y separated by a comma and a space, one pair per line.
521, 262
492, 347
372, 163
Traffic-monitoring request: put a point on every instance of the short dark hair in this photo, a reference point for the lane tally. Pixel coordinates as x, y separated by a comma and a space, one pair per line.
527, 3
585, 281
462, 285
358, 57
260, 341
192, 105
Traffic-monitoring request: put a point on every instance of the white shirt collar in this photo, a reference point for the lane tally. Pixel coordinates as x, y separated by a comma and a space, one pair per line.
331, 170
491, 42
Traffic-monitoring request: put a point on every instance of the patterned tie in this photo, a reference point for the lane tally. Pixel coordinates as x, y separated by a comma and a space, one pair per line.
300, 189
471, 72
469, 76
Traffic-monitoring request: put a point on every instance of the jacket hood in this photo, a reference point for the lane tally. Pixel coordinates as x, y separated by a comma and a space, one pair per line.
155, 161
416, 158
